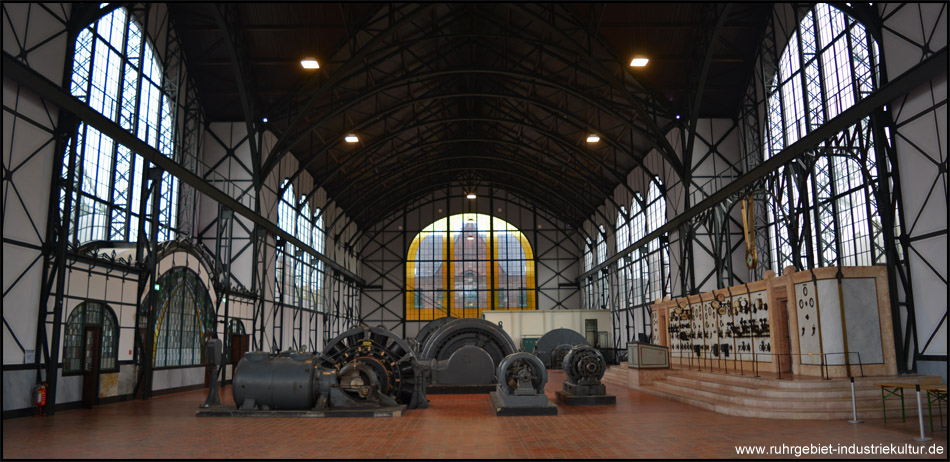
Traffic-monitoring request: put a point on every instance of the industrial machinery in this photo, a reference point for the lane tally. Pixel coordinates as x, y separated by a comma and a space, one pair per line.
462, 354
549, 342
520, 389
361, 369
557, 356
584, 367
419, 341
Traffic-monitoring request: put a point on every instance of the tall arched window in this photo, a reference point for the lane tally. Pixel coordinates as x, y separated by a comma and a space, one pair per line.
624, 276
184, 314
603, 287
116, 71
299, 274
822, 210
589, 292
658, 260
286, 252
464, 264
91, 314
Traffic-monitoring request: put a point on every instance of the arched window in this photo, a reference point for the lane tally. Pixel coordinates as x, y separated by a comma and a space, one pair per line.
91, 314
622, 229
603, 288
829, 63
659, 257
467, 263
235, 327
116, 71
184, 314
299, 274
589, 292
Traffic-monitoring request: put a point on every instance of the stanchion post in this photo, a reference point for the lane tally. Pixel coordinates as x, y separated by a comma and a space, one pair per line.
854, 406
920, 417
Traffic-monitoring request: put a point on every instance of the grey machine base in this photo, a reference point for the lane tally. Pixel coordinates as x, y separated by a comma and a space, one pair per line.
231, 411
498, 403
570, 399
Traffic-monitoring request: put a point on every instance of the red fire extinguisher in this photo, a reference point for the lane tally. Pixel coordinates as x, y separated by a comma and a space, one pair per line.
39, 396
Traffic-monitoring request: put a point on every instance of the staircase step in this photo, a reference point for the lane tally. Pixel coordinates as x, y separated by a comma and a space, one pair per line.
763, 402
777, 413
834, 390
768, 397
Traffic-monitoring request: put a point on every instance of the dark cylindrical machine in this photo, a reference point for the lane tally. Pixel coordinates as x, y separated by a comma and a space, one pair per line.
551, 340
468, 331
389, 357
520, 373
462, 355
558, 355
362, 367
275, 382
429, 329
584, 365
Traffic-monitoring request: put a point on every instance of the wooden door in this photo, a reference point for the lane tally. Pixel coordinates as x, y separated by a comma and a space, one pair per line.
92, 349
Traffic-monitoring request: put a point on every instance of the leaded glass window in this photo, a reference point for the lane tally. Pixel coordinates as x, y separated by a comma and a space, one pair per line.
821, 209
116, 71
91, 314
184, 315
464, 264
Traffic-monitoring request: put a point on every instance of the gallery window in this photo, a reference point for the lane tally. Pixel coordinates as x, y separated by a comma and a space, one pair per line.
117, 72
299, 274
464, 264
822, 210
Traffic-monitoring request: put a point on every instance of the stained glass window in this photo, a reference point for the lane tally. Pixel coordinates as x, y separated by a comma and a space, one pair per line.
84, 315
464, 264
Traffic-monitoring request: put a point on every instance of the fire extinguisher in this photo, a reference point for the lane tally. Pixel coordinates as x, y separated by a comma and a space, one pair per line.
39, 396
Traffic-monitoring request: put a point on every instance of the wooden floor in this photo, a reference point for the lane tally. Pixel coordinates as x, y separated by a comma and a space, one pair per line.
455, 426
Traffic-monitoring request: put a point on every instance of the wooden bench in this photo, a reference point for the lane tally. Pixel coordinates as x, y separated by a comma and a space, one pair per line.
935, 394
894, 389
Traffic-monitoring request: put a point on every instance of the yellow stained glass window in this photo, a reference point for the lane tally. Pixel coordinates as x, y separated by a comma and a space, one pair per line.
464, 264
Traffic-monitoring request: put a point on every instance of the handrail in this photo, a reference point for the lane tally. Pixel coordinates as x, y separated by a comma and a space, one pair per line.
823, 364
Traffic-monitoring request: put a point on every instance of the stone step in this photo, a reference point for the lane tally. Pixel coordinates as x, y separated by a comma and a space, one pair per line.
798, 383
832, 391
763, 402
778, 413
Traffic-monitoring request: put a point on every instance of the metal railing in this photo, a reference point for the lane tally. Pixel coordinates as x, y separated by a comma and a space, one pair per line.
738, 362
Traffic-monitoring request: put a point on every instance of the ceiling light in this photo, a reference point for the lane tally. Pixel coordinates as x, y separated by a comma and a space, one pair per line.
264, 120
639, 62
593, 138
677, 116
470, 196
310, 63
351, 138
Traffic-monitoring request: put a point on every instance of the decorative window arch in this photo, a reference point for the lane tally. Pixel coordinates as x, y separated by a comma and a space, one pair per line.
830, 62
184, 317
91, 313
464, 264
117, 72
